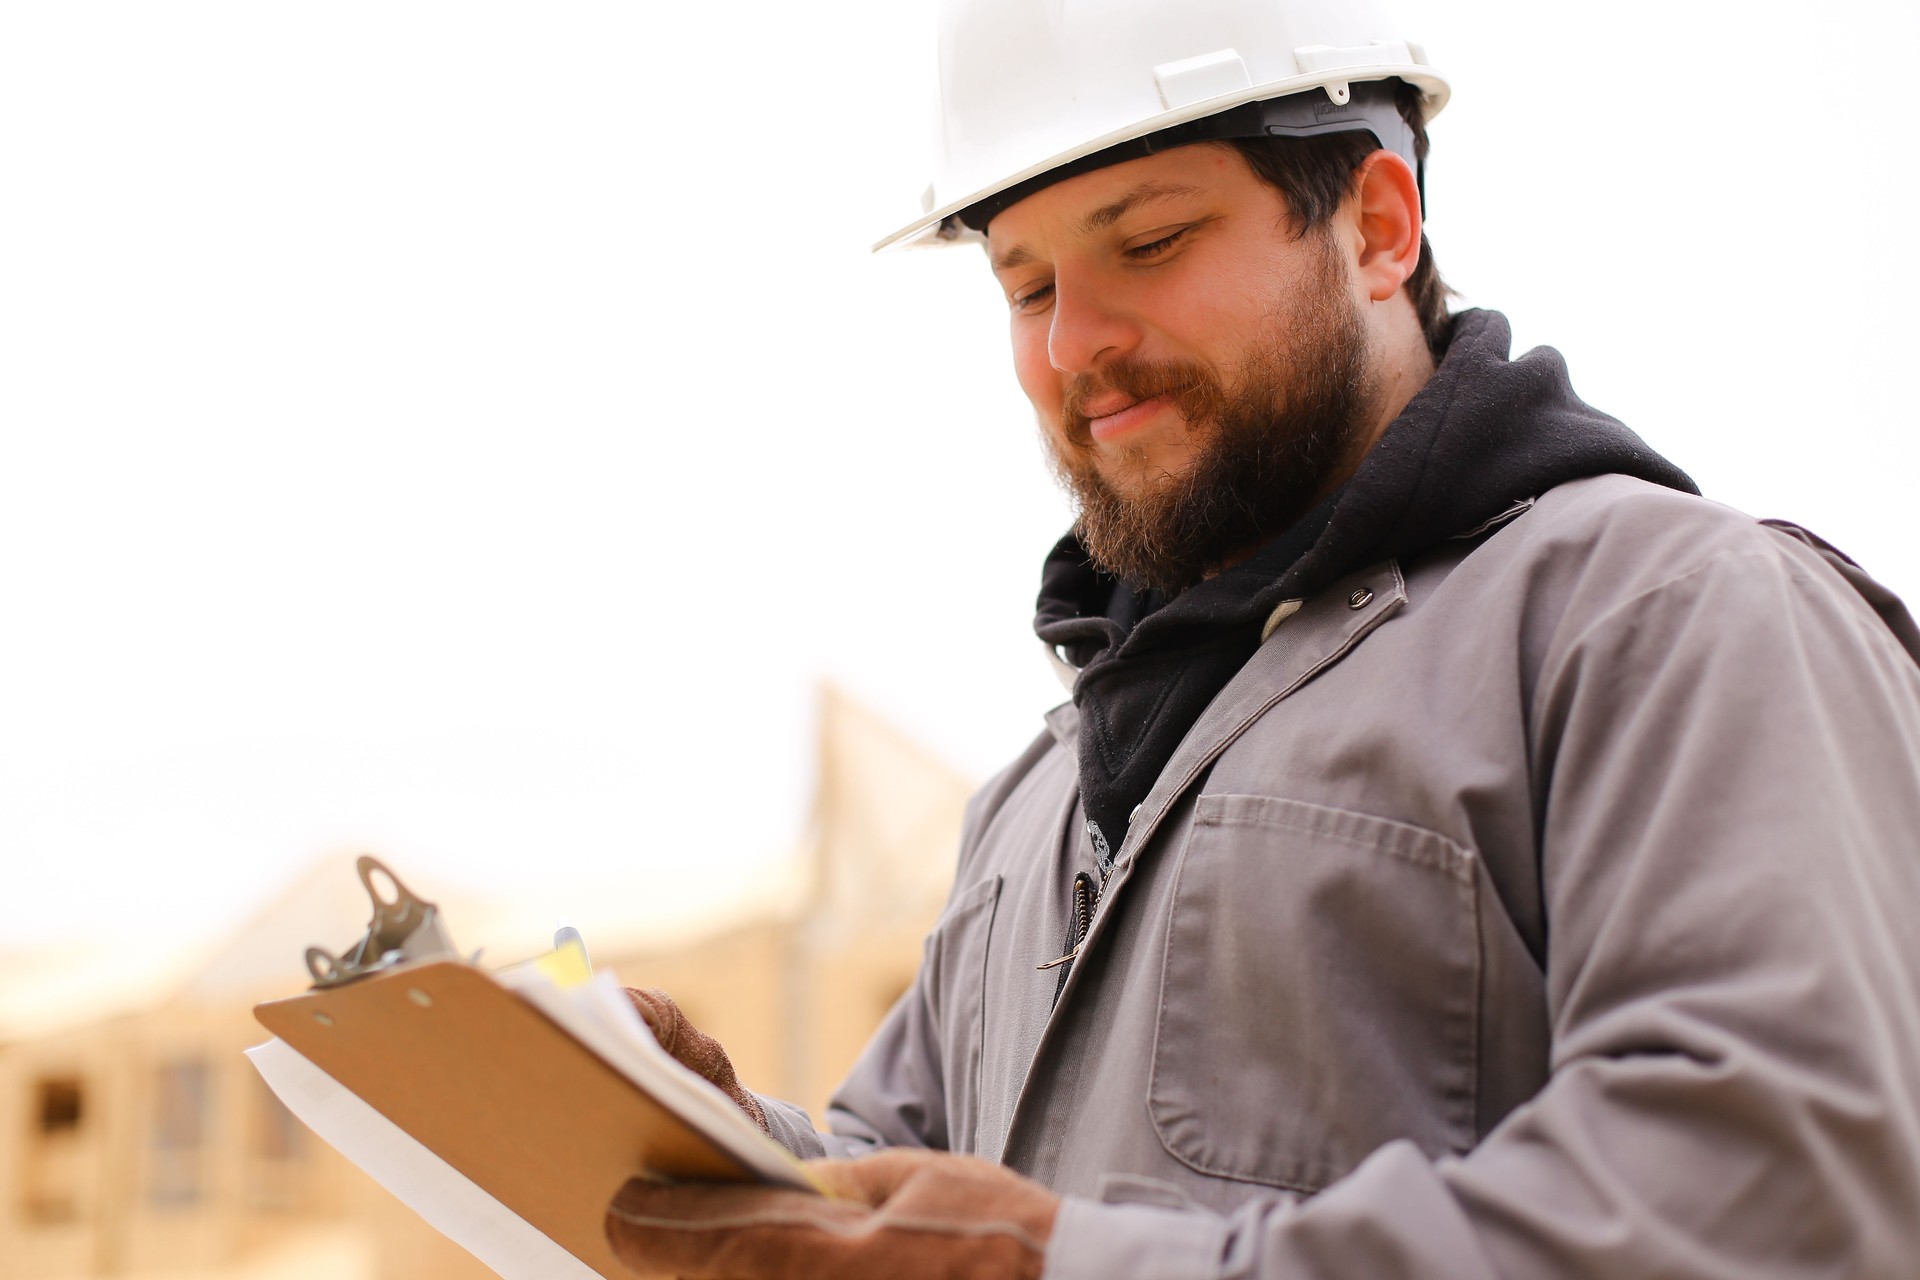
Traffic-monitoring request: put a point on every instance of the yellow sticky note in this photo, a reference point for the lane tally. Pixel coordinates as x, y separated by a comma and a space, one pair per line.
566, 965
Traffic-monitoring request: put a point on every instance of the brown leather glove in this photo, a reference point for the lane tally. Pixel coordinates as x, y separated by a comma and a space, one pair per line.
900, 1213
694, 1049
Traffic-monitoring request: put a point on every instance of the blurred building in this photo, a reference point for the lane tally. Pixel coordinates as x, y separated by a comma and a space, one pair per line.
136, 1141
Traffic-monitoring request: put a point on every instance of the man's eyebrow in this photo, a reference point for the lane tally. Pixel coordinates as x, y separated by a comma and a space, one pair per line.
1105, 216
1018, 256
1146, 193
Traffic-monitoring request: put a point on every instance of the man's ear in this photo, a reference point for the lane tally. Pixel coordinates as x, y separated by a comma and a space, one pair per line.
1386, 205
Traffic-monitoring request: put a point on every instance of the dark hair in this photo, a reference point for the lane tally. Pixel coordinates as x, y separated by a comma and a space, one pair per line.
1316, 174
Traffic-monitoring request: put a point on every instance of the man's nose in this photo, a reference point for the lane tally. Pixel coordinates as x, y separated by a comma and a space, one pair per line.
1088, 329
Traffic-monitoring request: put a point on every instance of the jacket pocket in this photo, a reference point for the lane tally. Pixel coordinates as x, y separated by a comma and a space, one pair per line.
1319, 993
956, 968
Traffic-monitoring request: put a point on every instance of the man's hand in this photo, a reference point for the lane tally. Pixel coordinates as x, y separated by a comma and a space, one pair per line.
694, 1049
899, 1213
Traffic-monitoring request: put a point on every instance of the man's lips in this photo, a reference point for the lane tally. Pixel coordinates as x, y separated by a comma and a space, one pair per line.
1110, 417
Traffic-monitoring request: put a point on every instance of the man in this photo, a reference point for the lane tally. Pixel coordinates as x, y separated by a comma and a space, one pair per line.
1467, 852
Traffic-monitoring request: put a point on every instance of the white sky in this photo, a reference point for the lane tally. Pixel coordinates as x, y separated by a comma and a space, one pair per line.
466, 430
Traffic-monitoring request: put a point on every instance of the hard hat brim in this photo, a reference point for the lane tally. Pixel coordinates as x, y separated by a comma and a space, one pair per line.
1432, 85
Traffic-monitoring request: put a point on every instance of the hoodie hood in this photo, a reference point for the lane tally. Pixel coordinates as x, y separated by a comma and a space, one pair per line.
1485, 433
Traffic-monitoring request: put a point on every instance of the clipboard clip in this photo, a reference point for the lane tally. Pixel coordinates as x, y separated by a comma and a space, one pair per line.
403, 928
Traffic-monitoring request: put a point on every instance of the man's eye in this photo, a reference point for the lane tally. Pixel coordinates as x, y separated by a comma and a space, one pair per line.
1154, 248
1032, 299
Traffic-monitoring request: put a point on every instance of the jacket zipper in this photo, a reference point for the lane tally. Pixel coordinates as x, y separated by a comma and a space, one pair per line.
1086, 897
1086, 900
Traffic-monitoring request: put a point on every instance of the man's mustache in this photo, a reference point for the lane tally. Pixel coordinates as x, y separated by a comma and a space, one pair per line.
1192, 387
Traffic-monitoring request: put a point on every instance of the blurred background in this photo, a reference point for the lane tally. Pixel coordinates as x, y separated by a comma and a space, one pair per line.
477, 433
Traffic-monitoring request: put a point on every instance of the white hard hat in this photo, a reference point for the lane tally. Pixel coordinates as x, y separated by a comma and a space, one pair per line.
1028, 87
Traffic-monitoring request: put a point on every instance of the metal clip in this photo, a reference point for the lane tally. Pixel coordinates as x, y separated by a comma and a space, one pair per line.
403, 928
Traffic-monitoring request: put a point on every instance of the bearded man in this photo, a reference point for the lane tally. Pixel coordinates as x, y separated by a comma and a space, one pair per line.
1467, 851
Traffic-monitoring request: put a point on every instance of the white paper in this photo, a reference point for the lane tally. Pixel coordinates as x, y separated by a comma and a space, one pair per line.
425, 1183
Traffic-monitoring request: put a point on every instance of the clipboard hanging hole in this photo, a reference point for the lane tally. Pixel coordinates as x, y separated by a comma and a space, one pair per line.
323, 966
419, 997
324, 1019
381, 885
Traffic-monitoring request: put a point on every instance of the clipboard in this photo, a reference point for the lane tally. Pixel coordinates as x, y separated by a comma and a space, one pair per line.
495, 1088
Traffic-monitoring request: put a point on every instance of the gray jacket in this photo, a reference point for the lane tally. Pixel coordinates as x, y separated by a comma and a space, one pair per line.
1548, 906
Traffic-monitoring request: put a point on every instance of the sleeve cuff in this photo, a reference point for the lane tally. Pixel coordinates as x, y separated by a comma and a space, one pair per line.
1092, 1241
790, 1126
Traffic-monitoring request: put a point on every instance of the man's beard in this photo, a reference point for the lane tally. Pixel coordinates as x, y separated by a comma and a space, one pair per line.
1265, 446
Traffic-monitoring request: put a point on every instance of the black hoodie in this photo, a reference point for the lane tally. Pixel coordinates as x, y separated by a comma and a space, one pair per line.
1484, 433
